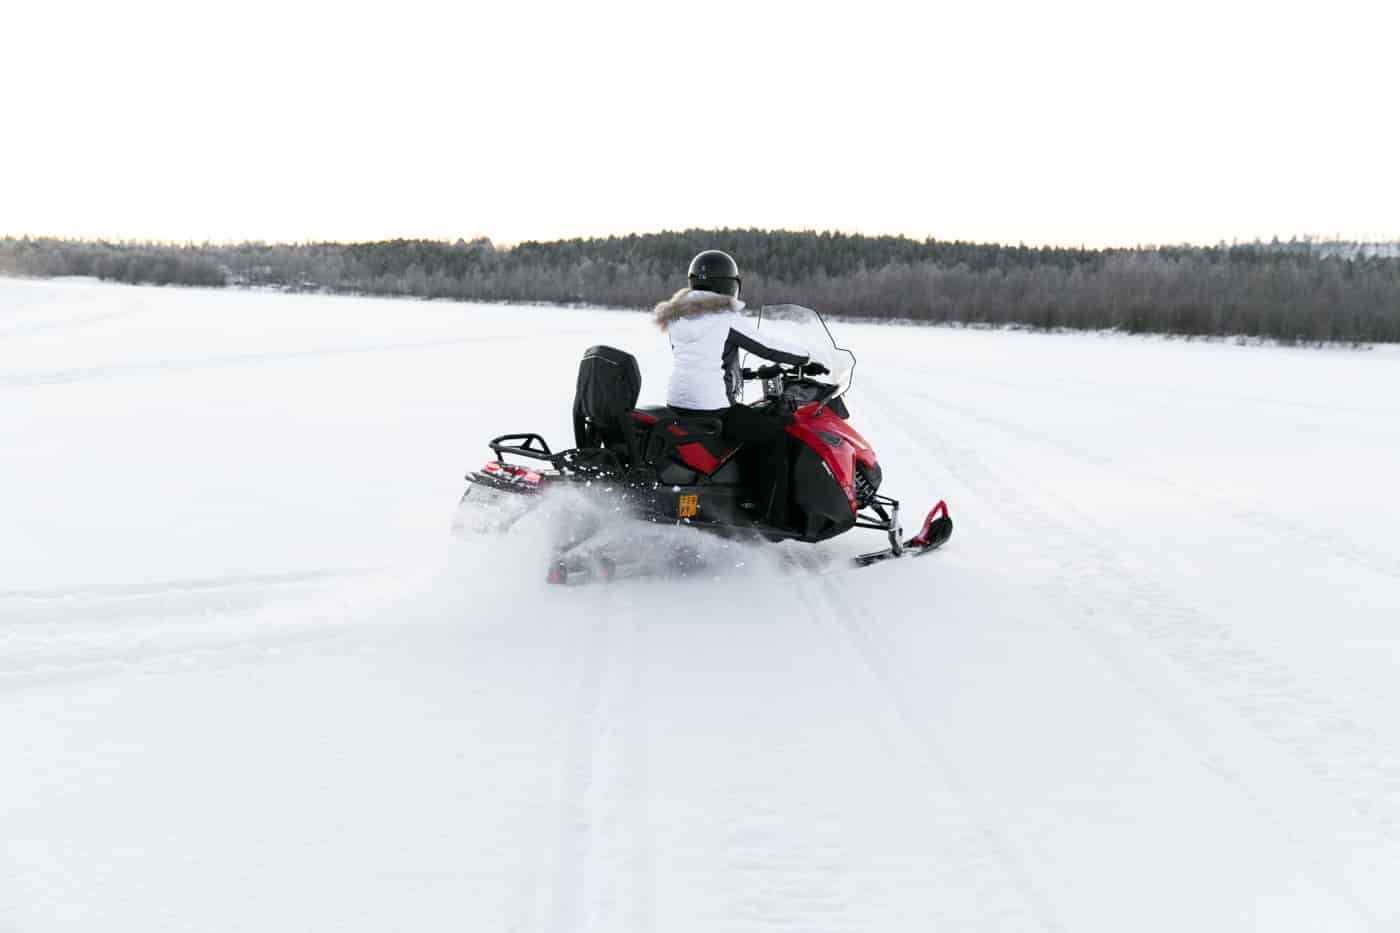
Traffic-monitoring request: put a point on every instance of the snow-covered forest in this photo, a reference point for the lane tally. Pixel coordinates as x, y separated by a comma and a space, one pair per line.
1300, 290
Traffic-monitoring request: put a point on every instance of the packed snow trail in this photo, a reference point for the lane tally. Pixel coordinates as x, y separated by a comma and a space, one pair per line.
247, 681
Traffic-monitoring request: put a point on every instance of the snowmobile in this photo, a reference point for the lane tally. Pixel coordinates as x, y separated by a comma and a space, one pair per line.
660, 466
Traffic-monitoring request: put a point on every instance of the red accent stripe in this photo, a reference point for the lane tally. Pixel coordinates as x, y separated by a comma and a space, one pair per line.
698, 458
675, 430
643, 417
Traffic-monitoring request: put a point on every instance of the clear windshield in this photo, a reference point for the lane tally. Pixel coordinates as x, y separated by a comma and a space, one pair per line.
803, 327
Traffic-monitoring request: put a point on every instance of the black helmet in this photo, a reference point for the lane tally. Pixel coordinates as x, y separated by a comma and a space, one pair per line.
715, 271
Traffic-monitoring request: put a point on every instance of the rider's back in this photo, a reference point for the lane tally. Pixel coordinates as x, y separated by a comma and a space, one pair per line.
698, 360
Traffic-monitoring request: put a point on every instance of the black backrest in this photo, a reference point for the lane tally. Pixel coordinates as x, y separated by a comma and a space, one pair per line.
609, 382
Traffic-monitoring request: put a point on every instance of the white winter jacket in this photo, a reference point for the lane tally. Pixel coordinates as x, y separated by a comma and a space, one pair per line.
707, 331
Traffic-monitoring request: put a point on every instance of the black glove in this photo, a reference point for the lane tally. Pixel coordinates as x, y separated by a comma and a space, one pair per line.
813, 368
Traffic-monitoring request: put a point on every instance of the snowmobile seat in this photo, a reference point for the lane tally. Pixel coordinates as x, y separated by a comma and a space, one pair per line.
609, 382
683, 448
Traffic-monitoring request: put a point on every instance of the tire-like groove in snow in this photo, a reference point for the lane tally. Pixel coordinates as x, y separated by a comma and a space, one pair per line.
980, 840
1261, 691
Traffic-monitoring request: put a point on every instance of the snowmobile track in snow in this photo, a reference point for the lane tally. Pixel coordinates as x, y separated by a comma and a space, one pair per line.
1277, 704
983, 849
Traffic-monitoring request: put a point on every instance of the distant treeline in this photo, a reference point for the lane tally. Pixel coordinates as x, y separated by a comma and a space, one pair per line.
1295, 291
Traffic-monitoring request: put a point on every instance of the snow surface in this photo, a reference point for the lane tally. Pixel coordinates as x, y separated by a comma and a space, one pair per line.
248, 681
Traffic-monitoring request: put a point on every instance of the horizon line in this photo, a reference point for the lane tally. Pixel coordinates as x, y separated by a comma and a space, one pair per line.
1314, 238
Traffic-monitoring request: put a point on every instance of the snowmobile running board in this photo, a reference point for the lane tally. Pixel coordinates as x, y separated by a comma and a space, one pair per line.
936, 530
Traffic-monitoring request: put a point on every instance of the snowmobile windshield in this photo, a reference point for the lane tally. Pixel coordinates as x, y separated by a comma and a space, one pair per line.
803, 327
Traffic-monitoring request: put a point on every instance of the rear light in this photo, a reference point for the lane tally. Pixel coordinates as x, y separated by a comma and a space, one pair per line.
512, 473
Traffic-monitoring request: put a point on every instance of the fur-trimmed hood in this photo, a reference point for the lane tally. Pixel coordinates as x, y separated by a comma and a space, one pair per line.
691, 303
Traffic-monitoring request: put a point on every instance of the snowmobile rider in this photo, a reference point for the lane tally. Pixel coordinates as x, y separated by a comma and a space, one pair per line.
707, 330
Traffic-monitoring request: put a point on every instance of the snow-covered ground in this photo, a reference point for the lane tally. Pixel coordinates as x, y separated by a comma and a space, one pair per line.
249, 682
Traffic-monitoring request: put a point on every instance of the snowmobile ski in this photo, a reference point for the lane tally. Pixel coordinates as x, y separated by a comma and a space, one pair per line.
936, 530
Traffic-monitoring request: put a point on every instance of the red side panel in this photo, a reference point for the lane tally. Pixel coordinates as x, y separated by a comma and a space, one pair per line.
698, 458
841, 460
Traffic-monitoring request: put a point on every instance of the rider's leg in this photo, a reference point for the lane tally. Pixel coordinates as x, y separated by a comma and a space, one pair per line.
766, 452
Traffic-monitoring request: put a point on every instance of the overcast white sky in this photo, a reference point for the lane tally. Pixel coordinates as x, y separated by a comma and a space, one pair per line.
1098, 123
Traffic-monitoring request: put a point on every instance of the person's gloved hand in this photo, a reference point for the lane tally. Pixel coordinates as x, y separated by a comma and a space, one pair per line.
813, 368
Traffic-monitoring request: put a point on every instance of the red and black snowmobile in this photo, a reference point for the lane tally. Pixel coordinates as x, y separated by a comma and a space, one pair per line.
663, 467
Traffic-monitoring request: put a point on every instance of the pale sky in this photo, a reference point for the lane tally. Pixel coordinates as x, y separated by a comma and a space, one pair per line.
1093, 122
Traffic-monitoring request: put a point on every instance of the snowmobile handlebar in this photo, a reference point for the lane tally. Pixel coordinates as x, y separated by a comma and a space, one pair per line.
774, 370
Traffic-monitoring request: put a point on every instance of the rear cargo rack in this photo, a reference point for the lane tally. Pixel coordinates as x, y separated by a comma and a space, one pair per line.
531, 446
585, 461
